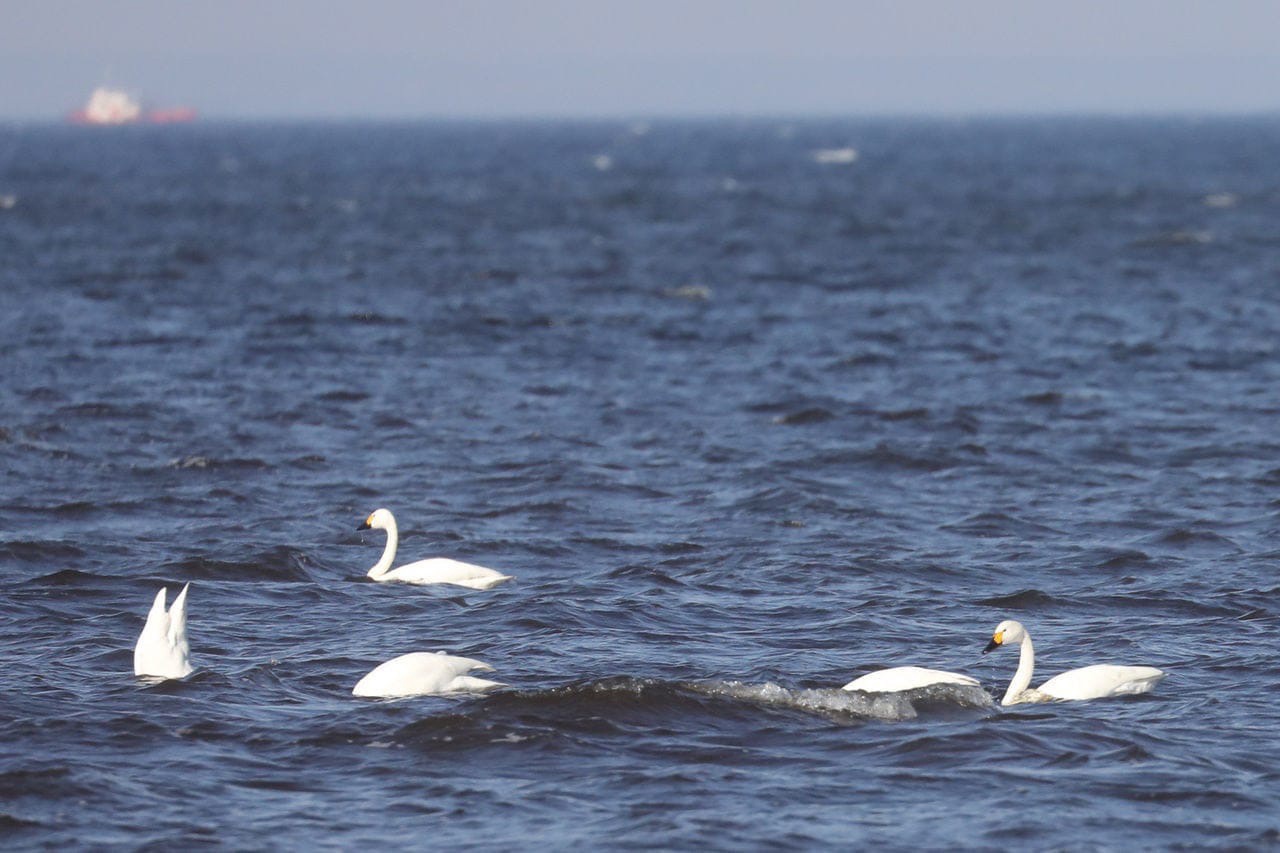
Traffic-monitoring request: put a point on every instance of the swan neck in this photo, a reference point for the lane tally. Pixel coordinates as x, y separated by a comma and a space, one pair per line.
388, 553
1022, 678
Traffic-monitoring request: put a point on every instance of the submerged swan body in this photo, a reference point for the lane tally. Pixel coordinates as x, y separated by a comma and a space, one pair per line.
899, 678
1089, 682
424, 674
433, 570
162, 650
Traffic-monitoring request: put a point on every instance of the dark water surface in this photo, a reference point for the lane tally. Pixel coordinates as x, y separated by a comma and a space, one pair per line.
744, 425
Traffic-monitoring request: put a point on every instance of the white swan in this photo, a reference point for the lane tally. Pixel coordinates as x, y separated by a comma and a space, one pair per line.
433, 570
1089, 682
423, 674
899, 678
162, 650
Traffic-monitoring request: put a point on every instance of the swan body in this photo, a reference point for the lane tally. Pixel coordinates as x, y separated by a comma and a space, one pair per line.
899, 678
424, 674
429, 571
162, 650
1089, 682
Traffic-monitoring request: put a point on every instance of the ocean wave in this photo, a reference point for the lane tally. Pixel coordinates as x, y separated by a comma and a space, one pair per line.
840, 704
617, 705
103, 410
67, 578
39, 551
1115, 559
43, 779
1025, 599
1191, 540
999, 524
812, 415
200, 463
280, 563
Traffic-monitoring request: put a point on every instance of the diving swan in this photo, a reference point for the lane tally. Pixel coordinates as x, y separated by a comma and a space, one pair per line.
1089, 682
162, 650
899, 678
429, 571
424, 674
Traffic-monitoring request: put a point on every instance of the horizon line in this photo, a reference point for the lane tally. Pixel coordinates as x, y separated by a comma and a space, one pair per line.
1184, 113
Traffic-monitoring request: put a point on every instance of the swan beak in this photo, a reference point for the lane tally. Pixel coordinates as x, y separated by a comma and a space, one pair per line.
364, 526
996, 641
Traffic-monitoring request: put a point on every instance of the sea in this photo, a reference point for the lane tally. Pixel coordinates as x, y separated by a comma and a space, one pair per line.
748, 408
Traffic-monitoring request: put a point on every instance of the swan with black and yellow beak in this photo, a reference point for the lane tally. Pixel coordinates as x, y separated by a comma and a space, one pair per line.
1088, 682
430, 571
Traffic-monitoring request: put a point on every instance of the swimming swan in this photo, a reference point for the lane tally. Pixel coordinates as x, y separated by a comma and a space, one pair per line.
433, 570
162, 650
423, 674
906, 678
1089, 682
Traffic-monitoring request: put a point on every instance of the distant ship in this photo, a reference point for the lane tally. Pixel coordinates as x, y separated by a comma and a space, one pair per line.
115, 106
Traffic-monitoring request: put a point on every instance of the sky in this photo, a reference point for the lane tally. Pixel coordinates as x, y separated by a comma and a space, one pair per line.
646, 58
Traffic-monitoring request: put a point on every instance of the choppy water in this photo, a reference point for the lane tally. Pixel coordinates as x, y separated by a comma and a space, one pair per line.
745, 424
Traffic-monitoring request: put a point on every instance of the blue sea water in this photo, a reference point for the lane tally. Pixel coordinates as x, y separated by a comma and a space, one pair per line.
744, 424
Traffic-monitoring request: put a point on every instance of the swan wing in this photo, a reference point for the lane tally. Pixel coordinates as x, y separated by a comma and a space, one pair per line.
150, 651
177, 628
1101, 680
179, 648
899, 678
445, 570
157, 617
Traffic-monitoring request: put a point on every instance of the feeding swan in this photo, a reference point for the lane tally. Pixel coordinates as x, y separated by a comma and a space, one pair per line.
1089, 682
432, 570
422, 674
162, 650
906, 678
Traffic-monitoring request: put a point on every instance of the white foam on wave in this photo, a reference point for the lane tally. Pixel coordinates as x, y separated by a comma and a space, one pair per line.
1221, 200
834, 702
835, 156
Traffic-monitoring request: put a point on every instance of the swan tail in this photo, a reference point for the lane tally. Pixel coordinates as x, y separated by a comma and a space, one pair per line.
461, 666
157, 611
142, 648
178, 620
177, 633
157, 624
161, 651
469, 684
1143, 683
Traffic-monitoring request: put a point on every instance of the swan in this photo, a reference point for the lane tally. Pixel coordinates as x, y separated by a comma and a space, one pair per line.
433, 570
424, 674
162, 650
899, 678
1089, 682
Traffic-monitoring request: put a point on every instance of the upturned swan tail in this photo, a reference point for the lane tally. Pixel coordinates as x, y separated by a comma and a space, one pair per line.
162, 650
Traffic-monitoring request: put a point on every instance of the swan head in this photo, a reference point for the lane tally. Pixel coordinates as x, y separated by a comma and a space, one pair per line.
1006, 632
379, 519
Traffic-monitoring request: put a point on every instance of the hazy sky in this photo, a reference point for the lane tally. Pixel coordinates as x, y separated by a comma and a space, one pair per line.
396, 58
